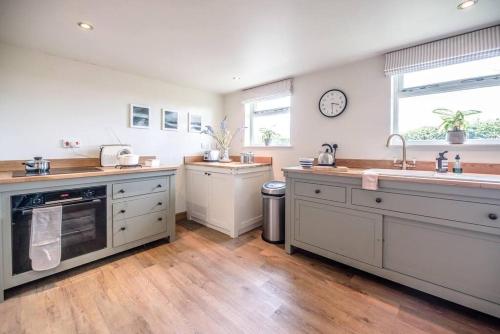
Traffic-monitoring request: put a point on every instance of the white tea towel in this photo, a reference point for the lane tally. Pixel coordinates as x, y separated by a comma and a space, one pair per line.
370, 180
45, 238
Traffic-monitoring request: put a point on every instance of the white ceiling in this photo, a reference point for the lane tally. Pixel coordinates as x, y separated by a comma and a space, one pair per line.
205, 43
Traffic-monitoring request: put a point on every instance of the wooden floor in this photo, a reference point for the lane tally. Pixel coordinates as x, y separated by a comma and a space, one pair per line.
207, 283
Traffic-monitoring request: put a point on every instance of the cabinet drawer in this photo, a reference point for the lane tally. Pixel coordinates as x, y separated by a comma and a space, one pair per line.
462, 211
136, 228
140, 206
321, 191
354, 234
142, 187
461, 260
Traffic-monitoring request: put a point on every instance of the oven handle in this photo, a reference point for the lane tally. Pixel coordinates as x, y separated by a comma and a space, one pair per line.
92, 201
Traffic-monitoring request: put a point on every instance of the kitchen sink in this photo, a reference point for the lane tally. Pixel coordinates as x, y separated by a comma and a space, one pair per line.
434, 175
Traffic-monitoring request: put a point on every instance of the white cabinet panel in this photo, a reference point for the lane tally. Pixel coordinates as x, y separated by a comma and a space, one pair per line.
197, 194
350, 233
220, 200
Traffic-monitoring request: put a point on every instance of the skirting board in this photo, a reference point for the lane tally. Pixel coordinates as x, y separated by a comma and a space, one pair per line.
180, 216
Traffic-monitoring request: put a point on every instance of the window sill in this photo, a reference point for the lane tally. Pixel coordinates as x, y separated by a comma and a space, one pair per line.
269, 146
433, 145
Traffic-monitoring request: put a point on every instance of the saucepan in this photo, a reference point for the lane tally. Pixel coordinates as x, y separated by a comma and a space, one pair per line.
37, 165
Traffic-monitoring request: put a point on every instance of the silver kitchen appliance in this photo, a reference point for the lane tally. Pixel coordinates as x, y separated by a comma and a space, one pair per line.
327, 158
110, 154
247, 158
211, 155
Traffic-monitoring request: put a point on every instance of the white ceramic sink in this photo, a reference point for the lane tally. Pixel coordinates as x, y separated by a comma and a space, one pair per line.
434, 175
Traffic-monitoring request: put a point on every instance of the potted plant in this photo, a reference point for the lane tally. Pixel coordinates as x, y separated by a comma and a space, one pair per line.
268, 135
454, 123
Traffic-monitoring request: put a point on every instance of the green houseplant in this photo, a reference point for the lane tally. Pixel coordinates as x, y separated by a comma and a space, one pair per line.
454, 123
268, 135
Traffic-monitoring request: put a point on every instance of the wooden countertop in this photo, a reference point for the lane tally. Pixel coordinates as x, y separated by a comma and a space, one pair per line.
6, 177
230, 165
358, 172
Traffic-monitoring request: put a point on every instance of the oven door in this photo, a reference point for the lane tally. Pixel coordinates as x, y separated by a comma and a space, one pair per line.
83, 231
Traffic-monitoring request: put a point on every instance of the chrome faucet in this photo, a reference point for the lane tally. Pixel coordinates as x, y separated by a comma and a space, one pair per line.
403, 164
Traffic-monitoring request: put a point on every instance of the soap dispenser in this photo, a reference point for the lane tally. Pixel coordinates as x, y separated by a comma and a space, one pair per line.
458, 166
442, 163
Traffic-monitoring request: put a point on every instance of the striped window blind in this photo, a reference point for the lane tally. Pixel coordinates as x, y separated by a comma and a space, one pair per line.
269, 91
474, 45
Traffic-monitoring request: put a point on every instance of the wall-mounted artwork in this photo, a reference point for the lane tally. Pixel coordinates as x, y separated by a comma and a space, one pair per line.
194, 123
139, 116
169, 120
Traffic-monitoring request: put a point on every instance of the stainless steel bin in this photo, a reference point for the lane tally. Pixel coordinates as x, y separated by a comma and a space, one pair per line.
273, 205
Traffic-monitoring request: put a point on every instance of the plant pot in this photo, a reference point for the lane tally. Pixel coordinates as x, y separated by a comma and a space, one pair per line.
456, 136
267, 141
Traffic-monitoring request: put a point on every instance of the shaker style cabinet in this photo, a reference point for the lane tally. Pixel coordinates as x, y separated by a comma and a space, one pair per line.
226, 199
440, 239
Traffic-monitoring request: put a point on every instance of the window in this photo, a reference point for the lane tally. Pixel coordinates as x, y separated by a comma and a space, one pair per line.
473, 85
269, 117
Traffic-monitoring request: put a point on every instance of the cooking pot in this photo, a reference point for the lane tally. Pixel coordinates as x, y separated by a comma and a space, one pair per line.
37, 165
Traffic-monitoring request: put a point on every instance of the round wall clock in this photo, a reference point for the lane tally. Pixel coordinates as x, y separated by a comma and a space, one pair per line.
332, 103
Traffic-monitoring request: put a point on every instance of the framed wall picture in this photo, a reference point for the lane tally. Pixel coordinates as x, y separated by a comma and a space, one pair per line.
194, 123
139, 116
169, 120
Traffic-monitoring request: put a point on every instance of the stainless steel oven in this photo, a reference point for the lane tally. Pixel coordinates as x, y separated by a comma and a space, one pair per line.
83, 222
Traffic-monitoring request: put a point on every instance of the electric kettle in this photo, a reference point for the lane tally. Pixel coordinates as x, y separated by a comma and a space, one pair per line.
327, 158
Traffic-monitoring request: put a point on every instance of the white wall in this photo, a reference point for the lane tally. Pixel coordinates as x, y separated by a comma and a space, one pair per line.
44, 98
361, 131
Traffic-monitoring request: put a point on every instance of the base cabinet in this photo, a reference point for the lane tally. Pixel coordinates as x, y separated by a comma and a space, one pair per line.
224, 199
350, 233
403, 232
462, 260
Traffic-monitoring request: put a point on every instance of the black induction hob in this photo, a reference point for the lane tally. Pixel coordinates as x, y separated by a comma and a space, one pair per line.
58, 171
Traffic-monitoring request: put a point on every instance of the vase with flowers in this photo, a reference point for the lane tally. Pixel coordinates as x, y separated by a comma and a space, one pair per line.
223, 138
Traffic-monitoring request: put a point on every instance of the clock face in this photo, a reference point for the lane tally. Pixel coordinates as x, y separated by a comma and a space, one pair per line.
333, 103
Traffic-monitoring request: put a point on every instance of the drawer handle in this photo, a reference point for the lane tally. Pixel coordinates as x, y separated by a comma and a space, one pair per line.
160, 219
122, 211
158, 186
378, 200
492, 216
160, 203
317, 191
121, 191
123, 228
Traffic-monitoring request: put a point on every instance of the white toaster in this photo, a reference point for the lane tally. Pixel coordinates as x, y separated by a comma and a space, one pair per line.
110, 153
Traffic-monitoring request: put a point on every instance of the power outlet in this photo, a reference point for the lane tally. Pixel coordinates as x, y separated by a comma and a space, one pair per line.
70, 143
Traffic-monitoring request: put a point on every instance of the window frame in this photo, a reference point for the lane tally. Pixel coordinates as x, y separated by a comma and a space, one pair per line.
248, 137
398, 91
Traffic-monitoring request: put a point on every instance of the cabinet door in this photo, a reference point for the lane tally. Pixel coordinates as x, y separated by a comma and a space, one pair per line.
197, 194
221, 201
463, 260
350, 233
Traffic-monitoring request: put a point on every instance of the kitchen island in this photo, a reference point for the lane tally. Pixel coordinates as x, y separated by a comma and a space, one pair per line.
437, 235
136, 206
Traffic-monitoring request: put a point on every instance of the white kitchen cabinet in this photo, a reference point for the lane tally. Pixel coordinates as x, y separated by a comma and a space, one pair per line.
226, 199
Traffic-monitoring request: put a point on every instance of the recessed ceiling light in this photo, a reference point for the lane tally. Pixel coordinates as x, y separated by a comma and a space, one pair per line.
85, 26
466, 4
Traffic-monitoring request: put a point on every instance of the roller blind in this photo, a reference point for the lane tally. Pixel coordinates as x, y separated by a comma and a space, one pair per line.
474, 45
269, 91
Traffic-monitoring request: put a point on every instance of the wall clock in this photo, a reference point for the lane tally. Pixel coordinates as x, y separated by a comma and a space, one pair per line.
332, 103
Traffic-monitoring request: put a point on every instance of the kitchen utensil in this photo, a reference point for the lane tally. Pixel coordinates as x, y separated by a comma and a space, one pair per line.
306, 162
109, 154
326, 158
37, 165
247, 158
128, 159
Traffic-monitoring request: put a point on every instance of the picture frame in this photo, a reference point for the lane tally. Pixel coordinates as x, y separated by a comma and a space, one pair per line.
169, 120
140, 116
194, 123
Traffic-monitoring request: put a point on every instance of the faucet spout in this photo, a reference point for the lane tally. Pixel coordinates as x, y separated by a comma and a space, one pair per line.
404, 163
